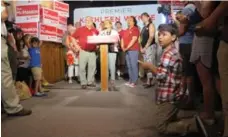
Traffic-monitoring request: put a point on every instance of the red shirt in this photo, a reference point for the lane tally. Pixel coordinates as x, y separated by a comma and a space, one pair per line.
81, 35
121, 33
128, 35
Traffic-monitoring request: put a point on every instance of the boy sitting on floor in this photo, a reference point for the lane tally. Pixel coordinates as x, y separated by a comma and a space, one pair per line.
169, 93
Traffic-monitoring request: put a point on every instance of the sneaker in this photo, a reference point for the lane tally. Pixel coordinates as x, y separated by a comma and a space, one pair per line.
91, 85
39, 94
70, 81
23, 112
45, 90
132, 85
127, 84
32, 91
84, 87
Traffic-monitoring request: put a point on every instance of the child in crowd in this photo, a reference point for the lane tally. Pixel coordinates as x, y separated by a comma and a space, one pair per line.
169, 92
72, 57
35, 64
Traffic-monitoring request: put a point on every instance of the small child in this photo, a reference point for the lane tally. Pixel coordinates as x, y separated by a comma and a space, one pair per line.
35, 64
72, 57
169, 92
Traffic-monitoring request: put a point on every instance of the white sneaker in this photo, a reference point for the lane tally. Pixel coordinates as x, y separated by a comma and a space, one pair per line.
127, 84
70, 81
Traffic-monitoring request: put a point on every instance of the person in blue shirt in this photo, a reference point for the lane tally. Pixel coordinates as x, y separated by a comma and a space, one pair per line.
186, 33
35, 64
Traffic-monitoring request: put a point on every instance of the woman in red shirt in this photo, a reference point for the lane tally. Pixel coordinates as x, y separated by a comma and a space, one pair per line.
130, 45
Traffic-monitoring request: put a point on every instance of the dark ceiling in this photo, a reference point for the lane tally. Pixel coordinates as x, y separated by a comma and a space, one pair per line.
86, 4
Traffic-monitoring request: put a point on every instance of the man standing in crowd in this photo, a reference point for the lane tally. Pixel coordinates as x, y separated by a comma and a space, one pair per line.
10, 98
87, 53
208, 24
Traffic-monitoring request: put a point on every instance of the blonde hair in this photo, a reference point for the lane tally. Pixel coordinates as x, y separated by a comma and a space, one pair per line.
109, 21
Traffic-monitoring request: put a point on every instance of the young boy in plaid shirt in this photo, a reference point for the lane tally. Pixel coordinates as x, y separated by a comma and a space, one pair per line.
169, 93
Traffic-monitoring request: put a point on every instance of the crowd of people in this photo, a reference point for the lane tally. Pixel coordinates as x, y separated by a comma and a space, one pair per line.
189, 51
194, 47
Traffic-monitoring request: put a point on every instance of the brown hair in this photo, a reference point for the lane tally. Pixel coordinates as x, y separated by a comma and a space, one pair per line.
147, 15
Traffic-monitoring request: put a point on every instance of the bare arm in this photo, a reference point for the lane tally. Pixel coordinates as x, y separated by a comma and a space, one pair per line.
151, 35
153, 69
220, 11
122, 44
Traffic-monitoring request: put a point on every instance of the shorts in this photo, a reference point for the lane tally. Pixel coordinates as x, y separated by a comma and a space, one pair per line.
188, 68
37, 73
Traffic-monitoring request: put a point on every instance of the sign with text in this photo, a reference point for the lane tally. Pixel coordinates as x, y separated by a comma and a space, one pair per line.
47, 33
62, 22
27, 13
119, 13
60, 34
62, 8
175, 4
49, 17
29, 28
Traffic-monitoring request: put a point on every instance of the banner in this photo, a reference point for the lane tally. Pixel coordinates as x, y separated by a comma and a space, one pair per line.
62, 8
62, 22
27, 13
119, 13
47, 33
49, 17
29, 28
60, 34
175, 4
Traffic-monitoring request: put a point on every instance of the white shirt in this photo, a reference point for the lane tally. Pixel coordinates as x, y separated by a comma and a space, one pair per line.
24, 53
3, 29
113, 33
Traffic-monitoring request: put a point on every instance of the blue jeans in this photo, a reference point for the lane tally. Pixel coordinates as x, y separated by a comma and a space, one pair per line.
132, 65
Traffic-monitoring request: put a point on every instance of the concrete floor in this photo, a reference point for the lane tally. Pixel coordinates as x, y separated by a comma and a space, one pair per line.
69, 111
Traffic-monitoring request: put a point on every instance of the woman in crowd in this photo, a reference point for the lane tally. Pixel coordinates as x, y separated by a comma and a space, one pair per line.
148, 45
130, 45
24, 60
72, 55
113, 50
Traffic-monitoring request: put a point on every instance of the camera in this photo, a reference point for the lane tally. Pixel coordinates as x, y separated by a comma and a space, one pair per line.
164, 9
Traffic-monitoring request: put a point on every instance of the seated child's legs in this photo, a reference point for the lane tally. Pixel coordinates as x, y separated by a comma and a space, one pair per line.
167, 122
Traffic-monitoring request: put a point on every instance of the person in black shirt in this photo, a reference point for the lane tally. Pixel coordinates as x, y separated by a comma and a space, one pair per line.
148, 48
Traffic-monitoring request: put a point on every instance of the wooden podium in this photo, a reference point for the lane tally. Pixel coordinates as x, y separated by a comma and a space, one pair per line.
103, 42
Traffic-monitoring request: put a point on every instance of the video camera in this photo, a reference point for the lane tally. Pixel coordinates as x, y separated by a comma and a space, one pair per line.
164, 9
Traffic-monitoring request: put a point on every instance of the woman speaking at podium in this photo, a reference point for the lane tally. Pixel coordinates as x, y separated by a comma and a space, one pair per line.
113, 50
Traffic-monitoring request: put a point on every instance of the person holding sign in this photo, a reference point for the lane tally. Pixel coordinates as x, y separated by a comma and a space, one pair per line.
130, 45
113, 50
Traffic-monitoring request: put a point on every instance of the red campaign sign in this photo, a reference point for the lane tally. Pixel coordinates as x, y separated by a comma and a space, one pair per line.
47, 33
27, 13
62, 22
176, 4
62, 8
49, 17
60, 34
29, 28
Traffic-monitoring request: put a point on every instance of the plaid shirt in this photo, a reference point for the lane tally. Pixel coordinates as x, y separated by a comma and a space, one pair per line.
169, 76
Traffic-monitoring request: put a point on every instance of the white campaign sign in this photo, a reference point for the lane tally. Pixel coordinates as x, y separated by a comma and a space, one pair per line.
119, 13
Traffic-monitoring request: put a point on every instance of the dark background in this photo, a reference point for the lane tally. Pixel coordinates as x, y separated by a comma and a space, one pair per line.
86, 4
